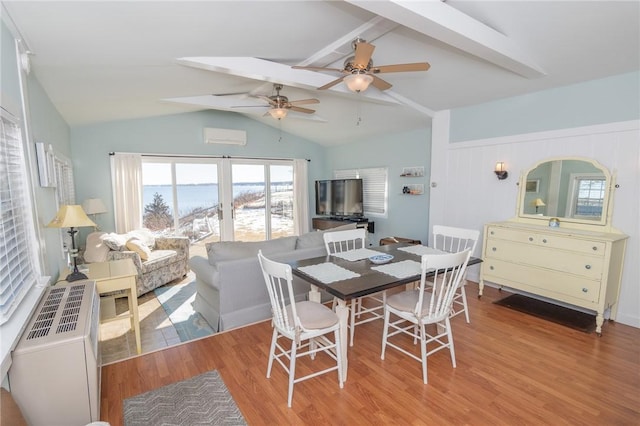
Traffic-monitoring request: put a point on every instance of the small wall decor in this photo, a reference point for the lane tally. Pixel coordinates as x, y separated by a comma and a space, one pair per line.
533, 185
414, 189
412, 172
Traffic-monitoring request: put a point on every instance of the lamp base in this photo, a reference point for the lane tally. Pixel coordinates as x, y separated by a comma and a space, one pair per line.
76, 276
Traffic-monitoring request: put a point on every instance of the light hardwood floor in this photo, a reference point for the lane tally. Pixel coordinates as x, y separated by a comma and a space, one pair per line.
512, 368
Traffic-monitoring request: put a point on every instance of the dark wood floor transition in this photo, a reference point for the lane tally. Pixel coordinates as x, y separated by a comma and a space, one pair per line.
512, 368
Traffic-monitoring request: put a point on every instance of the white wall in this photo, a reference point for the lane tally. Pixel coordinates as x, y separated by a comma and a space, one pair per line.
468, 194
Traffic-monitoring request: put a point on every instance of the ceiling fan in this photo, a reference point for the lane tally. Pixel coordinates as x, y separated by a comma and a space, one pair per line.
359, 71
280, 104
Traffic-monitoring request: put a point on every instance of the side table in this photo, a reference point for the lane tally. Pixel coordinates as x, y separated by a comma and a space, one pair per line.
117, 275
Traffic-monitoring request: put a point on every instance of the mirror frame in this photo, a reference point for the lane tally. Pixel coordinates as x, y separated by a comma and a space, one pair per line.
607, 205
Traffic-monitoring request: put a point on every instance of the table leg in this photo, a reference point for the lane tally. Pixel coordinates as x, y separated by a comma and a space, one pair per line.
342, 310
314, 294
135, 318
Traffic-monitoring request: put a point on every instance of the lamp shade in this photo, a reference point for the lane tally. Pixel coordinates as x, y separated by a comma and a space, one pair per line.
93, 206
538, 202
70, 216
278, 113
358, 82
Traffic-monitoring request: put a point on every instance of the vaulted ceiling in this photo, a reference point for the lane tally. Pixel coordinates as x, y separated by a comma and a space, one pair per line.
103, 61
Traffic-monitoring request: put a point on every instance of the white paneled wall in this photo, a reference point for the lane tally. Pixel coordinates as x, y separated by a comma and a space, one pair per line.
468, 194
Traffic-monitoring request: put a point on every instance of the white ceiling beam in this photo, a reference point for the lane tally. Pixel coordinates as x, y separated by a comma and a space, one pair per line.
259, 69
343, 47
442, 22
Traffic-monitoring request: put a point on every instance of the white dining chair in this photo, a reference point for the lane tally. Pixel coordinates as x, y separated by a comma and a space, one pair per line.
452, 240
352, 239
306, 324
420, 307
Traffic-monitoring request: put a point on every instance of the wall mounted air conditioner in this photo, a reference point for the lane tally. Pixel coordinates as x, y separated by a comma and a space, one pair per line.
55, 373
225, 136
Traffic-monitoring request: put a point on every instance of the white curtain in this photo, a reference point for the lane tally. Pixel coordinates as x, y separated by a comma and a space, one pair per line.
301, 195
126, 181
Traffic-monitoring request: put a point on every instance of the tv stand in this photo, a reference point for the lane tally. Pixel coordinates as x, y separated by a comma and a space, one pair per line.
322, 223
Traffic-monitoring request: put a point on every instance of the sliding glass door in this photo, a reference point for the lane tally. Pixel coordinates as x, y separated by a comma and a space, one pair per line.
211, 200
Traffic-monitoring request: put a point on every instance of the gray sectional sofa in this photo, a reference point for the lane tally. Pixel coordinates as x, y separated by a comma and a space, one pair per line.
230, 287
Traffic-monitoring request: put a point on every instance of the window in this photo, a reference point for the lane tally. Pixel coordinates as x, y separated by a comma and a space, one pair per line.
18, 253
587, 196
374, 181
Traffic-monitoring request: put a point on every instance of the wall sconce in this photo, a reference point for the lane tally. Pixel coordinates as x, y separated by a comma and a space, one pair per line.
500, 171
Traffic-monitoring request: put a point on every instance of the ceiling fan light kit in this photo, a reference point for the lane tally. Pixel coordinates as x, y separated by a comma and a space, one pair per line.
278, 113
358, 82
360, 72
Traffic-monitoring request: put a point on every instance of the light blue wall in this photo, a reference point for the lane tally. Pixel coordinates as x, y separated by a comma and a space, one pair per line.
593, 102
46, 125
408, 215
176, 134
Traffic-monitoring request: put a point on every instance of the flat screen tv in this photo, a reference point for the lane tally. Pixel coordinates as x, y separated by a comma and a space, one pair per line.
339, 198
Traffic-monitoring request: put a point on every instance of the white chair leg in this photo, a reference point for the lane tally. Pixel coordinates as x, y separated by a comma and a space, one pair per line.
452, 351
384, 332
272, 352
464, 303
423, 352
292, 371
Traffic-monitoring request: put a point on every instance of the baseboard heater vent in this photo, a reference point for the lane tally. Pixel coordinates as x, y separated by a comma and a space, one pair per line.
224, 136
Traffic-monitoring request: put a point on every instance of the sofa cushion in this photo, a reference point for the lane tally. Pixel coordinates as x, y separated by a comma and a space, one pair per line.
315, 238
230, 250
115, 241
158, 259
139, 247
144, 235
96, 250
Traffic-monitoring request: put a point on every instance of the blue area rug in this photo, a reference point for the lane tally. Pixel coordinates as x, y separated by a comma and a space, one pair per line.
177, 301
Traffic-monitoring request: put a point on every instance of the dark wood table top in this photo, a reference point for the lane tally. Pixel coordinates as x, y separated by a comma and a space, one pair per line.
369, 281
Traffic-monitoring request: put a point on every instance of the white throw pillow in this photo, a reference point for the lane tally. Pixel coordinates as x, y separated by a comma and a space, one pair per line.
114, 241
139, 247
96, 250
144, 235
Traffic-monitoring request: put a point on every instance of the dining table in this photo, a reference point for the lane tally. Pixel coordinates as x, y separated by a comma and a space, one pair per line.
352, 274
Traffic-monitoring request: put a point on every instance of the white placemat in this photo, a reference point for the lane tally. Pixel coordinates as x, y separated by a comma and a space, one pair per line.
420, 250
403, 269
357, 254
328, 272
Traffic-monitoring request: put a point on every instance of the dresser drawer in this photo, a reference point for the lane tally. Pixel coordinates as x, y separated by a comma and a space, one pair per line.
549, 239
567, 287
528, 254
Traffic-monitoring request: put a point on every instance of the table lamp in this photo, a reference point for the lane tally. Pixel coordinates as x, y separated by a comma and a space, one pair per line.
538, 203
72, 216
92, 207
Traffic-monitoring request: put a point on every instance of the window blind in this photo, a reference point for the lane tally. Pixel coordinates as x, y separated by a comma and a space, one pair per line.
17, 260
374, 187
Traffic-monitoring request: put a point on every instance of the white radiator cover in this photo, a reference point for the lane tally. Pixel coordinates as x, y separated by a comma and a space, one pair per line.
225, 136
55, 373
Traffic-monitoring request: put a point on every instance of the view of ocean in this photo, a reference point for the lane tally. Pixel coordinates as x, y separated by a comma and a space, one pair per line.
196, 195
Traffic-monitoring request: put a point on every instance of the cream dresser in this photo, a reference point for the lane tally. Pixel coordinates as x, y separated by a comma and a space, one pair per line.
578, 267
579, 261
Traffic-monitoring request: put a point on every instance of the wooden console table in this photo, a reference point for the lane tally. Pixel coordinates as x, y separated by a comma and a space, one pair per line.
322, 223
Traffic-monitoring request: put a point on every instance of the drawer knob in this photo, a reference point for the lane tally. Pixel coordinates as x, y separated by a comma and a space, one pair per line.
594, 248
493, 249
544, 241
530, 238
491, 267
587, 266
491, 232
584, 289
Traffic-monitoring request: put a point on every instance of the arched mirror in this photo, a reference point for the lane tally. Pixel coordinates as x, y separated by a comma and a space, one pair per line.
571, 189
